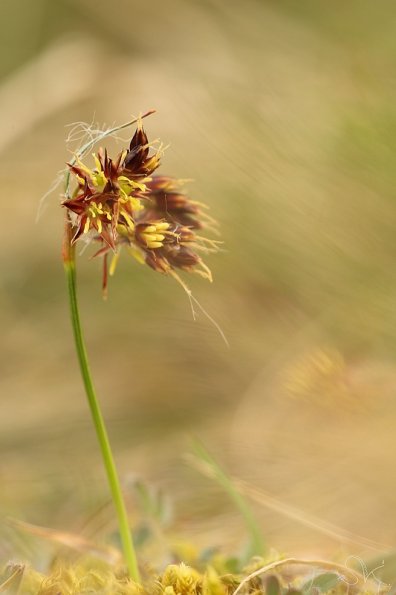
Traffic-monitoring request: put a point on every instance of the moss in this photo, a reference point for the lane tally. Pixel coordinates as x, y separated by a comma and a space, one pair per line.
92, 576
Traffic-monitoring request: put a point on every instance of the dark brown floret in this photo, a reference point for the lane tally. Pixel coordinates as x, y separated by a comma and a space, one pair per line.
111, 169
182, 257
96, 210
157, 262
137, 162
163, 183
165, 201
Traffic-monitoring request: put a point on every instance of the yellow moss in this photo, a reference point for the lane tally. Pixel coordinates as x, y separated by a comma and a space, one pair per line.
212, 584
183, 580
31, 582
92, 576
78, 580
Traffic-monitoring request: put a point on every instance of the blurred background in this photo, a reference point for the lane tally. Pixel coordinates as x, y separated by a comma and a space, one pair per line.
284, 115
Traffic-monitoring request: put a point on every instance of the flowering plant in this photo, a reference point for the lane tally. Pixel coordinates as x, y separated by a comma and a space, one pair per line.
120, 204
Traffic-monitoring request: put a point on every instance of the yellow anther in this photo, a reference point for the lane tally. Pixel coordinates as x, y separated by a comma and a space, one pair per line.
87, 225
127, 219
137, 254
150, 229
98, 178
151, 244
162, 225
122, 230
135, 203
113, 263
99, 226
128, 185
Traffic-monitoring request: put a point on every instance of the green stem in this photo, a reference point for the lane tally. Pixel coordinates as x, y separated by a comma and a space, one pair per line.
108, 460
258, 544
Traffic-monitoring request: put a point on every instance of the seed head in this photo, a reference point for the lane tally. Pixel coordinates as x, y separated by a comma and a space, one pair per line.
120, 203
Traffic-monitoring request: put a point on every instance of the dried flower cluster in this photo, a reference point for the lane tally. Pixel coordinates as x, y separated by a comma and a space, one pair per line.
121, 204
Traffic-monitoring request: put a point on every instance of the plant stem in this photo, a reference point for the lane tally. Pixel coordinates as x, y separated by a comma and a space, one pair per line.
97, 418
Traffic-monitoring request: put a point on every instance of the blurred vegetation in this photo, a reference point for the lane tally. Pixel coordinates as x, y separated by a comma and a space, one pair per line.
283, 113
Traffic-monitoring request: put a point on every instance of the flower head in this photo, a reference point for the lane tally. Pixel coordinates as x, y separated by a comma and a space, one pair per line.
119, 203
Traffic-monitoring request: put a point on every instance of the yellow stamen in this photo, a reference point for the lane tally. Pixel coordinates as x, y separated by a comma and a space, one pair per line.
127, 219
135, 203
162, 225
113, 263
87, 225
152, 245
137, 254
128, 185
